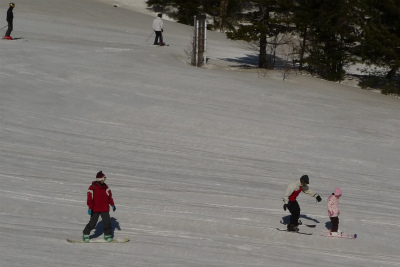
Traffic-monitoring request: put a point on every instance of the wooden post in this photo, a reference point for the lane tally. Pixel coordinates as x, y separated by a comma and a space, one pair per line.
199, 41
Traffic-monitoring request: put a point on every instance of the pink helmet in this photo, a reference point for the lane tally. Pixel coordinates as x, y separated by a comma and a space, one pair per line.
337, 192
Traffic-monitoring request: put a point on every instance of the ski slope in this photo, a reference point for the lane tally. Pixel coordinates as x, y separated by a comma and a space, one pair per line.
197, 158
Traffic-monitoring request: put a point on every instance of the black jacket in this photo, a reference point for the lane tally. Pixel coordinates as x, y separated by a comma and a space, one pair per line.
10, 15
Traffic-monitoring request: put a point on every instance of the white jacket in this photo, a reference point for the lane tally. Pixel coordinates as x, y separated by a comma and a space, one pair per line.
294, 187
158, 24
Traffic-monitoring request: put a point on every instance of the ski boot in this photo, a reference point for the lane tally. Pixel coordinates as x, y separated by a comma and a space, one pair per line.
8, 37
337, 233
86, 238
108, 238
292, 228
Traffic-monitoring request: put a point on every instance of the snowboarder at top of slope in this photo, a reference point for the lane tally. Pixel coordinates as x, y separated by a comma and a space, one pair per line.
289, 198
10, 20
158, 29
99, 197
333, 210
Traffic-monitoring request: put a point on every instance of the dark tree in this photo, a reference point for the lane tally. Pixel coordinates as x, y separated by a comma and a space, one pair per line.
259, 21
381, 37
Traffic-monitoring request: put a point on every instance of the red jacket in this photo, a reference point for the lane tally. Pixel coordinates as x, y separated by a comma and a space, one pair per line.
99, 197
295, 194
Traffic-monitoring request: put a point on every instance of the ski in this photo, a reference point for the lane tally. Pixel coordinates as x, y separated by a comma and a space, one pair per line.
343, 235
301, 233
161, 45
301, 224
15, 39
124, 240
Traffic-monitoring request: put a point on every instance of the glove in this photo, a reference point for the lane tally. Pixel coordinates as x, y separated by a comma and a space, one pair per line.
318, 198
285, 206
89, 212
114, 208
162, 30
331, 213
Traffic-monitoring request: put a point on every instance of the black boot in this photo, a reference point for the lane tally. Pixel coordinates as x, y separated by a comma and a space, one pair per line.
292, 228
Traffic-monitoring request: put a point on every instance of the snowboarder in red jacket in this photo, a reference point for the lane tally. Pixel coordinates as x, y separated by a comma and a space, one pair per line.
99, 198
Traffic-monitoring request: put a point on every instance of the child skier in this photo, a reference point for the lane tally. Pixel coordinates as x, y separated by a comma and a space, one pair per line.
333, 211
99, 197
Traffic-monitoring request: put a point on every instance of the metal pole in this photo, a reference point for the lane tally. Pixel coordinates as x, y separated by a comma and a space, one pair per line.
150, 36
205, 43
197, 43
194, 43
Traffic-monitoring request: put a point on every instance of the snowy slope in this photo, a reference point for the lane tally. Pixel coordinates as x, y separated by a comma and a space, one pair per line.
197, 159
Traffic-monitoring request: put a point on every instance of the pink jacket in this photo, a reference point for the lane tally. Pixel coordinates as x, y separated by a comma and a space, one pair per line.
333, 206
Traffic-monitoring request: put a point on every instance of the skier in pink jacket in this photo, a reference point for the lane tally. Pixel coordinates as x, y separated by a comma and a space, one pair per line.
333, 210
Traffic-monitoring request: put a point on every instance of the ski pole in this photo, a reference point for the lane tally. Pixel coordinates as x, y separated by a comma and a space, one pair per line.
149, 36
3, 27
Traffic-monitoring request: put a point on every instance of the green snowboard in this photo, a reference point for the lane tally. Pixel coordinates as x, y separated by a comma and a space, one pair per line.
99, 240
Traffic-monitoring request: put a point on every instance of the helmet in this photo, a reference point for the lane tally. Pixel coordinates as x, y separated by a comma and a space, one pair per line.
304, 179
159, 15
12, 5
338, 192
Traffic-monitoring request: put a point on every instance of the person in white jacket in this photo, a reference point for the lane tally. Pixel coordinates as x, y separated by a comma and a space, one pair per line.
158, 29
333, 210
289, 199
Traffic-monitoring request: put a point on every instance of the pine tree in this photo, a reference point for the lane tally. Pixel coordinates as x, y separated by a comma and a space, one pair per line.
303, 14
260, 20
330, 32
381, 37
185, 10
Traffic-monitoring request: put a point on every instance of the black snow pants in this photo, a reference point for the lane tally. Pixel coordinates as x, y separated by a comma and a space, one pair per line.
335, 224
158, 40
294, 210
9, 30
105, 216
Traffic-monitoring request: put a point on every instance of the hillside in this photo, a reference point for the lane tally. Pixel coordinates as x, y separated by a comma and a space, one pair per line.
197, 158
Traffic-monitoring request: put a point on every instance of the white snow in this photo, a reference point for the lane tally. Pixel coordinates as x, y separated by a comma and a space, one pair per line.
197, 158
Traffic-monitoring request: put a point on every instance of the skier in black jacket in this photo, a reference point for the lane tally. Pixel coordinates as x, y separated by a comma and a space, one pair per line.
10, 18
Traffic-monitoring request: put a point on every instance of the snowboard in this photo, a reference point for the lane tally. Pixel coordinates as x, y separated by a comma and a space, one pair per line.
99, 240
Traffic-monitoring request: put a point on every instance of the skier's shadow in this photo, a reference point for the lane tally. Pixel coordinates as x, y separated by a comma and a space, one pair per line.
328, 225
99, 228
286, 219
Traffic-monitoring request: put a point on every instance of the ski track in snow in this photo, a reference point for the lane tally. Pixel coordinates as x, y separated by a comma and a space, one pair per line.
197, 158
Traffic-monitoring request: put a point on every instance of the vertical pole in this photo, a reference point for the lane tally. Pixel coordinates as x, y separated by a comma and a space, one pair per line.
200, 56
199, 41
205, 43
194, 52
